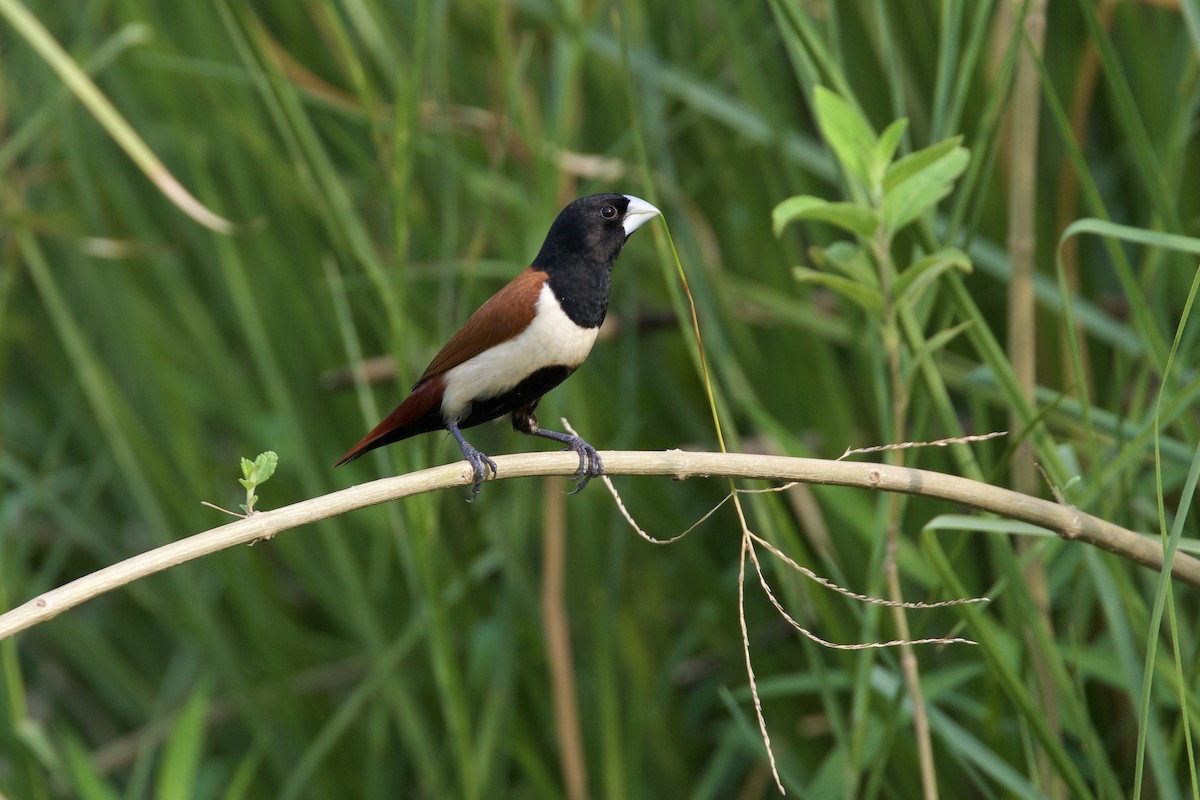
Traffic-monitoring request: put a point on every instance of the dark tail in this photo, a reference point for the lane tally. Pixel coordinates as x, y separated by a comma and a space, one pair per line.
419, 413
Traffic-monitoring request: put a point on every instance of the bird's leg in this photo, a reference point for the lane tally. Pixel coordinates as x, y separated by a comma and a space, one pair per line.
590, 465
474, 457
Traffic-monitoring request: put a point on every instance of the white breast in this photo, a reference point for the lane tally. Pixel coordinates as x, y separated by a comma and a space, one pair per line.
551, 340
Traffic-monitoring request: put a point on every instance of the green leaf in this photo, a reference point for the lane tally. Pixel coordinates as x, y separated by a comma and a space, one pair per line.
264, 465
865, 297
907, 200
260, 469
247, 484
851, 217
913, 163
242, 781
924, 271
934, 344
885, 150
1129, 233
847, 258
1005, 527
179, 769
82, 774
74, 77
848, 133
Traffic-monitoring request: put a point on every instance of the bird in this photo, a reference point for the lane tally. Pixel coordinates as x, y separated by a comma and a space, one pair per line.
523, 341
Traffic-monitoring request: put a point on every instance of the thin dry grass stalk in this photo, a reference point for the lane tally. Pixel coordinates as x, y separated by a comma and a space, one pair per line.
880, 448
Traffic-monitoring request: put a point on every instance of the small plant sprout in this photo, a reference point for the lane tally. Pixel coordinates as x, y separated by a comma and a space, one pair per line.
254, 474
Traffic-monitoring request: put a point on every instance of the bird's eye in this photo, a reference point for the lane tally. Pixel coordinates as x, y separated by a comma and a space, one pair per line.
609, 212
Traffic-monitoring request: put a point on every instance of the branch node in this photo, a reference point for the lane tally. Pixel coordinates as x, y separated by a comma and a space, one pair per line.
1072, 531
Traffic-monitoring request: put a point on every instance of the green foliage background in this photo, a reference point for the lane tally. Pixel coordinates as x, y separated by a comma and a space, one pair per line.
390, 165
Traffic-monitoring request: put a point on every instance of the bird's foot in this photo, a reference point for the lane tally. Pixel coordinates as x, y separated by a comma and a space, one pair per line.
478, 460
590, 465
474, 457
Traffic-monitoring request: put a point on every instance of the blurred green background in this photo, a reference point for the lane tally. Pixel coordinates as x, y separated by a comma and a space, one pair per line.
389, 165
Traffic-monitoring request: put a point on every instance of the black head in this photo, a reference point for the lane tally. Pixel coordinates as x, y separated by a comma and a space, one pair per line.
593, 230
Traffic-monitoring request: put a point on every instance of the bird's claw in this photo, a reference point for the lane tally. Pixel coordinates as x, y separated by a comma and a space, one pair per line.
477, 460
590, 465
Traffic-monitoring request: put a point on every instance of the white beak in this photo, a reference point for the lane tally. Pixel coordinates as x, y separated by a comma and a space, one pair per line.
638, 213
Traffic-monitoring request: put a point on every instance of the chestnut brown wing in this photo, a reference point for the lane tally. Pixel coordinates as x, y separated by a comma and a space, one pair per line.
504, 315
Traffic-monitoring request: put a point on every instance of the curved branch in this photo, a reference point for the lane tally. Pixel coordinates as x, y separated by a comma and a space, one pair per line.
1066, 521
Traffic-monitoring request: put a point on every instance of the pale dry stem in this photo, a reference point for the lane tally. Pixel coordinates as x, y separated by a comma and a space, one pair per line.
1068, 522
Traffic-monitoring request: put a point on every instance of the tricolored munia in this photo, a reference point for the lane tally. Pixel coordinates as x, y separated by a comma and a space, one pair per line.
525, 340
